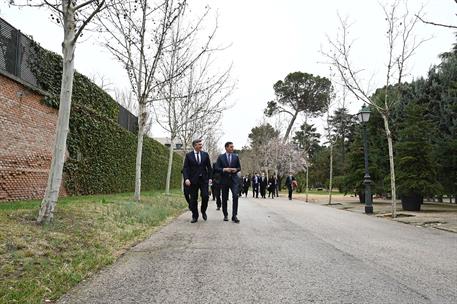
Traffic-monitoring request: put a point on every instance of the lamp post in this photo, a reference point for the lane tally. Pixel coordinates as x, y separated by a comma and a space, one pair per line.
363, 116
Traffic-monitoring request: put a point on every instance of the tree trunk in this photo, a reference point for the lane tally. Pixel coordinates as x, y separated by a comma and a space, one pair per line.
139, 149
330, 185
307, 186
289, 128
170, 166
58, 157
392, 166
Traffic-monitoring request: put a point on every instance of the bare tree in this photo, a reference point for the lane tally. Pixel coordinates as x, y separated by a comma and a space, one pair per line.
401, 46
126, 99
212, 142
191, 96
330, 142
211, 109
188, 115
139, 34
74, 16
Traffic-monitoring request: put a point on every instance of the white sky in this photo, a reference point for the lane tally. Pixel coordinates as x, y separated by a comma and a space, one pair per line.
270, 38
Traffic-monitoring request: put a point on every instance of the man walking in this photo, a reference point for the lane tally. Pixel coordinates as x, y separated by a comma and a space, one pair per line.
289, 183
246, 185
272, 186
263, 185
228, 164
216, 187
197, 173
255, 185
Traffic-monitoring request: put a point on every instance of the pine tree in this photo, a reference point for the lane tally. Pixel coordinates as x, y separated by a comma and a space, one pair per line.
416, 167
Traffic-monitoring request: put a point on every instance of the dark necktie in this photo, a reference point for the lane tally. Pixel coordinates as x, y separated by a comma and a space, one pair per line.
198, 158
230, 159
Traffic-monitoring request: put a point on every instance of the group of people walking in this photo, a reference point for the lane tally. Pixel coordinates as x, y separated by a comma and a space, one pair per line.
198, 175
260, 184
223, 176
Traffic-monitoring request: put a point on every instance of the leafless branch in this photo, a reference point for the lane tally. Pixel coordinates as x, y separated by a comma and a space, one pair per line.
436, 24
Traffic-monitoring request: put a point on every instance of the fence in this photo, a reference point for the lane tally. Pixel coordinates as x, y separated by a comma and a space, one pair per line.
127, 120
15, 53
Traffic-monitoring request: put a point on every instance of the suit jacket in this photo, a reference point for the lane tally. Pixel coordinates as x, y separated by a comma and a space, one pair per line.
254, 183
289, 181
192, 170
263, 182
246, 182
222, 162
216, 175
271, 183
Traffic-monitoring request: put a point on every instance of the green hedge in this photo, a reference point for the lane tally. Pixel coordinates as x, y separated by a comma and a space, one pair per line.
101, 153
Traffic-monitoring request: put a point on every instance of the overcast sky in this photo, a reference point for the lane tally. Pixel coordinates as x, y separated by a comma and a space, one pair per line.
269, 39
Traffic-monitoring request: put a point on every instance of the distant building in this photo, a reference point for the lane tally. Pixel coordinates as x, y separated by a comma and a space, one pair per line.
178, 148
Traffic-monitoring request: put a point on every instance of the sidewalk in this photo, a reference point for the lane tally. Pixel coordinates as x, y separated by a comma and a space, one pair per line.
441, 216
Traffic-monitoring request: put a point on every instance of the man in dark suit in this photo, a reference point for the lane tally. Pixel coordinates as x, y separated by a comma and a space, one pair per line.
246, 185
289, 183
272, 186
255, 185
263, 185
216, 187
197, 173
228, 164
186, 191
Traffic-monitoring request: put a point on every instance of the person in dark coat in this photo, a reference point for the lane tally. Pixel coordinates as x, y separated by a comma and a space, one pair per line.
246, 185
277, 181
197, 173
228, 164
289, 184
263, 185
255, 185
216, 188
186, 191
272, 186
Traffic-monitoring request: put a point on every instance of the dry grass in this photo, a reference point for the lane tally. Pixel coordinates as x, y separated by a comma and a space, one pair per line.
40, 263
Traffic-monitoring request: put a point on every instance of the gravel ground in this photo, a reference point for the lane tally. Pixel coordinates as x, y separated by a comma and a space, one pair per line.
282, 252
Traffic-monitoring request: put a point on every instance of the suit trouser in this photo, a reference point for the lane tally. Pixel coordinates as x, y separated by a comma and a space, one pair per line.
187, 195
255, 191
225, 191
290, 191
194, 187
217, 194
263, 191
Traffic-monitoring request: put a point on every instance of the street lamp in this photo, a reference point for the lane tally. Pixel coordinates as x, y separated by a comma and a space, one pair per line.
363, 116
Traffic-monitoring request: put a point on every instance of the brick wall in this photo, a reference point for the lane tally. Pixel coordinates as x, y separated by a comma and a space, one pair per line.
27, 130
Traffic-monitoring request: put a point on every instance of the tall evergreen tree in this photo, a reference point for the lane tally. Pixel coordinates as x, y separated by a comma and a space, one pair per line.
416, 167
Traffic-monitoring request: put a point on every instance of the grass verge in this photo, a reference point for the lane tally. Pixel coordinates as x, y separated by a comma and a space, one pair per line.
39, 263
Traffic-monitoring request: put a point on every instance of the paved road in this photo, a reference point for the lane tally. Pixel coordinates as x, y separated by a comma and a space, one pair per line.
282, 252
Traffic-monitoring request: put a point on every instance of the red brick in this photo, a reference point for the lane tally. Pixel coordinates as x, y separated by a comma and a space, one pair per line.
27, 129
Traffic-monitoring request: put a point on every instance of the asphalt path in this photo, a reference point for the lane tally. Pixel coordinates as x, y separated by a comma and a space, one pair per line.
282, 252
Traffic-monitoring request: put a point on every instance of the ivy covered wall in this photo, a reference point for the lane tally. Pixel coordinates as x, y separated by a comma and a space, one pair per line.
101, 153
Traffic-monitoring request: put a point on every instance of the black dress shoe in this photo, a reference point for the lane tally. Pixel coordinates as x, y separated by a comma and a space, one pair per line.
225, 218
194, 220
218, 208
235, 219
204, 216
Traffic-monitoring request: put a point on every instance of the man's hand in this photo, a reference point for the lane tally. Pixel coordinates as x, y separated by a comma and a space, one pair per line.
187, 182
